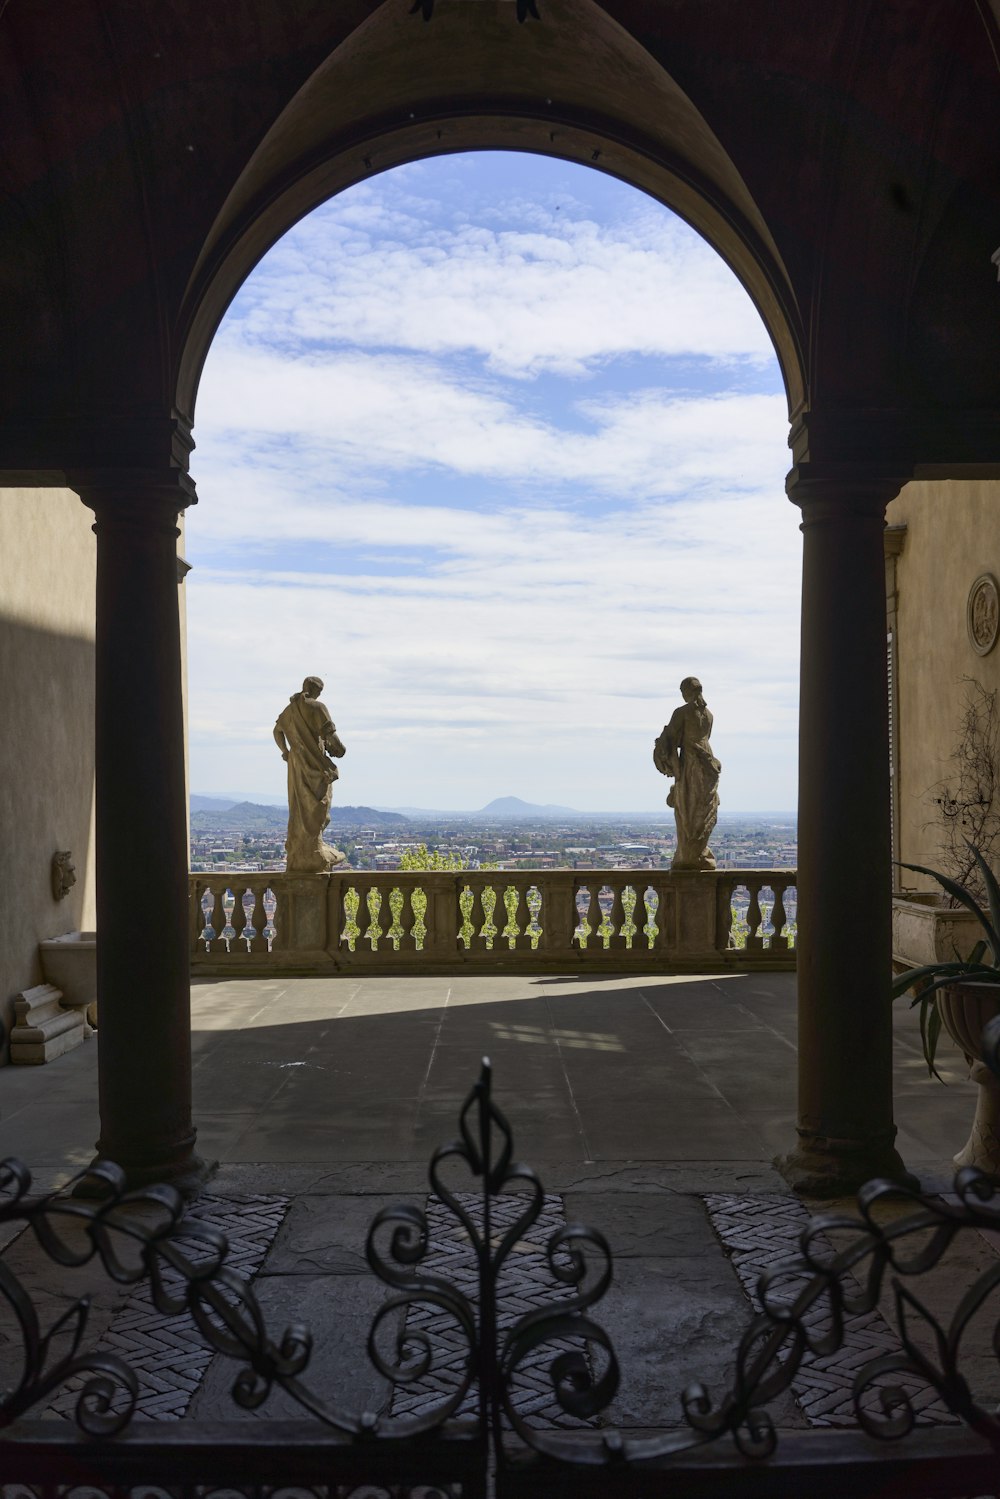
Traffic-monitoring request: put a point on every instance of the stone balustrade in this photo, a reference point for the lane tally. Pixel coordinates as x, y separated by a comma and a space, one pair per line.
513, 921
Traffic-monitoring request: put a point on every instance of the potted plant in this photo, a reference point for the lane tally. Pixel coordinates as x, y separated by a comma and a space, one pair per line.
963, 994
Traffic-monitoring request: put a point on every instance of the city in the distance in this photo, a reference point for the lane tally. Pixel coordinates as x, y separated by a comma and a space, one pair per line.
244, 833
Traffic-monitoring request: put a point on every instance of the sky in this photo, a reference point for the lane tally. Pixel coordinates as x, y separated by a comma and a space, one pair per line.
495, 445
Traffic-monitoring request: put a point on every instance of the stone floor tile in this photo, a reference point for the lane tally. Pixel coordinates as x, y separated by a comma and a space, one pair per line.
339, 1309
325, 1235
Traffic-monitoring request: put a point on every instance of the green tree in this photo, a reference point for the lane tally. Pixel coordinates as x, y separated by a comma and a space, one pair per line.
421, 857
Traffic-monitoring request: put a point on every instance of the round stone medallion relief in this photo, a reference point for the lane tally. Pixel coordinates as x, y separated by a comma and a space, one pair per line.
982, 613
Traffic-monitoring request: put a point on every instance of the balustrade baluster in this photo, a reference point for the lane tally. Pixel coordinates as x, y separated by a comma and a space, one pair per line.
534, 929
228, 933
207, 905
736, 916
755, 939
581, 899
648, 906
373, 905
486, 916
395, 932
779, 943
616, 915
465, 898
511, 898
595, 915
417, 930
350, 932
270, 933
248, 904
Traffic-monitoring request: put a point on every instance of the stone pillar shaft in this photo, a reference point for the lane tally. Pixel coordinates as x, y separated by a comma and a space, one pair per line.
144, 1038
846, 1128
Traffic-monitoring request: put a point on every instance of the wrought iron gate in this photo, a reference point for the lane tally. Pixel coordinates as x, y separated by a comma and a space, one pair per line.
478, 1436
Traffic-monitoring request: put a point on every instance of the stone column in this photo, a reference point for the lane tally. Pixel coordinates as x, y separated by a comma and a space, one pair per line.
845, 1127
144, 1039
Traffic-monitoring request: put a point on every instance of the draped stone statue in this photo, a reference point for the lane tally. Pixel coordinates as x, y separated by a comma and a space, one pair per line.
307, 737
683, 752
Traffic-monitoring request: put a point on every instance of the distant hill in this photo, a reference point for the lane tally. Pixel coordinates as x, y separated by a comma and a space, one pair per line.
210, 803
251, 817
513, 806
245, 817
220, 800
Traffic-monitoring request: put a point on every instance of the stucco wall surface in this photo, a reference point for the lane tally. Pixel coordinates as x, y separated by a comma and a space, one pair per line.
952, 537
47, 577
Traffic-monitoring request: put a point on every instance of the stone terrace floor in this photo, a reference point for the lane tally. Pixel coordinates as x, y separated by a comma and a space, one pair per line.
651, 1108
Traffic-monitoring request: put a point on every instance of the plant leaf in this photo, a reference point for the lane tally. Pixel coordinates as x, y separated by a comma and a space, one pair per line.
932, 1039
964, 968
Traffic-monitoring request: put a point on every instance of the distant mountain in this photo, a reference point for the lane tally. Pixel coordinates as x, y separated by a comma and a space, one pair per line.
251, 817
245, 817
219, 800
210, 803
513, 806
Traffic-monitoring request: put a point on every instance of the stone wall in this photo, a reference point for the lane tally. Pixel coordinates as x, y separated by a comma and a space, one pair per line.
952, 537
47, 576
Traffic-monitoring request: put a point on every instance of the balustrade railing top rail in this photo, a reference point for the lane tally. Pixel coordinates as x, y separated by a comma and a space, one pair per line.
522, 920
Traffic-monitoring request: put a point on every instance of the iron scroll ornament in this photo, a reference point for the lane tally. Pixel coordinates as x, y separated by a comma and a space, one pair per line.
486, 1148
806, 1302
138, 1236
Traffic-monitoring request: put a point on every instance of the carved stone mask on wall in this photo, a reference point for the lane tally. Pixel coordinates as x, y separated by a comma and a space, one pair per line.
63, 874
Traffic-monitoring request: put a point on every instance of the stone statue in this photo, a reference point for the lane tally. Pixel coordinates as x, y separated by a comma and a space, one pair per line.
306, 737
683, 752
63, 872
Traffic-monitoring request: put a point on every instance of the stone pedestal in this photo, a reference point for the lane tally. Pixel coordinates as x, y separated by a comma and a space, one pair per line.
44, 1029
70, 962
695, 920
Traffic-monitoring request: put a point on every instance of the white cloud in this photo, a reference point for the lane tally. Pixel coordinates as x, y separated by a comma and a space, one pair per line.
546, 652
563, 295
395, 412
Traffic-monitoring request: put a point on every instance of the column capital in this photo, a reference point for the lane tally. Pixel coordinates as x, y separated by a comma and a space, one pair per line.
832, 491
138, 500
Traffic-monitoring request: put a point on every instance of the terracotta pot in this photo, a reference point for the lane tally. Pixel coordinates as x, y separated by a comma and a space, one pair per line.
965, 1008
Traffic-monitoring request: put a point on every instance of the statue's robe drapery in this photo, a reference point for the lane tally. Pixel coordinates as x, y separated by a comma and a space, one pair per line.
683, 751
311, 738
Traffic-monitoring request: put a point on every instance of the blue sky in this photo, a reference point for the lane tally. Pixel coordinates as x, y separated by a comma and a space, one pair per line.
495, 445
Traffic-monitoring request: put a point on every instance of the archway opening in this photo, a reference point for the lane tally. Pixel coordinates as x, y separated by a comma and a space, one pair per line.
494, 444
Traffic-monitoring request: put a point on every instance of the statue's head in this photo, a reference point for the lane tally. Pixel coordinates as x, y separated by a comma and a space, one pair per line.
312, 686
691, 691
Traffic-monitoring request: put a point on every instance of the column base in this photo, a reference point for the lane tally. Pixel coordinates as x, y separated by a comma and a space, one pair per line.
824, 1168
188, 1177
